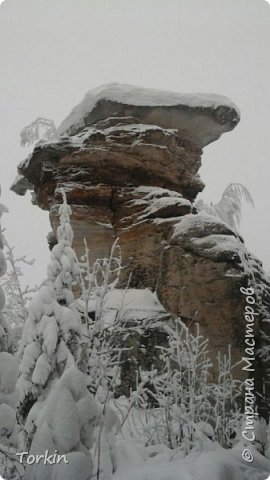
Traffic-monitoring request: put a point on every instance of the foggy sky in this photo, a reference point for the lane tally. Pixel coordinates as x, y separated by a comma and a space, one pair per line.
53, 51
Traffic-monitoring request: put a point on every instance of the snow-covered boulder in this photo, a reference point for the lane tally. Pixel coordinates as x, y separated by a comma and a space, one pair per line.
165, 109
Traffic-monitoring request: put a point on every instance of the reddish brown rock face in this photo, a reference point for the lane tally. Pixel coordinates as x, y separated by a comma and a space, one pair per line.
132, 172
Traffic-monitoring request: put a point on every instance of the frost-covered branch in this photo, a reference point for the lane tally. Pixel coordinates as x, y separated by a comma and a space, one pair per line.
229, 207
17, 296
40, 129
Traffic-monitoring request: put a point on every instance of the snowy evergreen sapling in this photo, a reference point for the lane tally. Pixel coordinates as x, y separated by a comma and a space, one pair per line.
52, 332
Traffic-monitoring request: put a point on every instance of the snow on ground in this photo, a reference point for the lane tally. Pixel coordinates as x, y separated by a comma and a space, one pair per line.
131, 95
217, 464
140, 457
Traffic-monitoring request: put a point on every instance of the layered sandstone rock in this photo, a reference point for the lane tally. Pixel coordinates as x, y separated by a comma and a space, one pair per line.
128, 160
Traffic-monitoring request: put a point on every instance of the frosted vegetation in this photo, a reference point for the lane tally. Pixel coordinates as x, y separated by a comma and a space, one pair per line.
229, 207
41, 128
63, 353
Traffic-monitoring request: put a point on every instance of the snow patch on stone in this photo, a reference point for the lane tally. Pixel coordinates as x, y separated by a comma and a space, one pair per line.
200, 222
139, 96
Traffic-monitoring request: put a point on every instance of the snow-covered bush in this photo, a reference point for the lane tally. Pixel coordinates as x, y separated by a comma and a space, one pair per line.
8, 421
99, 357
8, 399
106, 275
17, 296
226, 397
187, 401
48, 344
8, 379
96, 281
66, 424
13, 297
5, 334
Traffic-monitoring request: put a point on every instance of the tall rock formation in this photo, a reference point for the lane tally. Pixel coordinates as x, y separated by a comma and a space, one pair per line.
128, 159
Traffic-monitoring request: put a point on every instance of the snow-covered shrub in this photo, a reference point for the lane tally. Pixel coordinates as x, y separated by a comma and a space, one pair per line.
226, 396
17, 296
98, 355
49, 341
106, 274
5, 334
96, 281
187, 402
8, 421
103, 365
8, 379
66, 425
8, 398
13, 297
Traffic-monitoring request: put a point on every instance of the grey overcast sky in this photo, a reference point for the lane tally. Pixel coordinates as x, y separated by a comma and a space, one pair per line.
53, 51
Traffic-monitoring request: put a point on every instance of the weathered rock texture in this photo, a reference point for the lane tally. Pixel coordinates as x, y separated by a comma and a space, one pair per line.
128, 160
